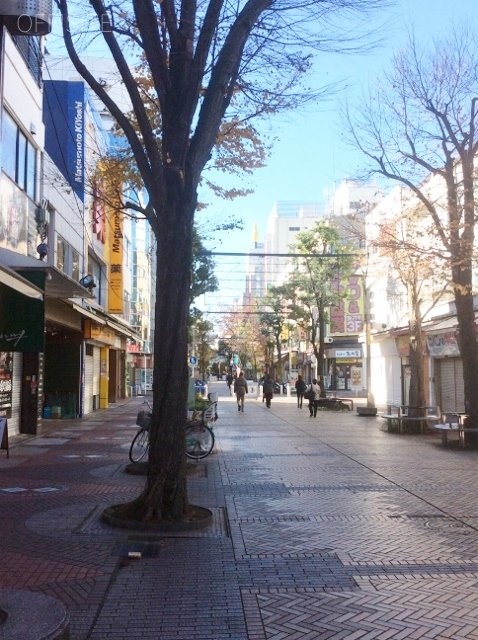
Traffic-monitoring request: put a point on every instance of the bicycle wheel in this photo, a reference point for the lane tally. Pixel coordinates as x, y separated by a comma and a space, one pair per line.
139, 446
199, 441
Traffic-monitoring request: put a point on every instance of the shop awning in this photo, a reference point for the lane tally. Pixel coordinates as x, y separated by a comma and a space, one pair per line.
88, 314
103, 318
16, 282
56, 283
22, 314
123, 329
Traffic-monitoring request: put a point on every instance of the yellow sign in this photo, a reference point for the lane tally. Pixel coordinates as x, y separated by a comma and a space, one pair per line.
115, 254
109, 181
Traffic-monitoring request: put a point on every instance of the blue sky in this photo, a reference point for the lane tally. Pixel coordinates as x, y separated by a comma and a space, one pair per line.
311, 156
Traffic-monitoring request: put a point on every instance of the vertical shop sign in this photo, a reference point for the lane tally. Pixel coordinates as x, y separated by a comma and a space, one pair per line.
64, 116
4, 436
348, 316
115, 281
6, 361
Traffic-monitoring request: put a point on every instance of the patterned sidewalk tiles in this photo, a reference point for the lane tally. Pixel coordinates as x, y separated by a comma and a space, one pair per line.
321, 529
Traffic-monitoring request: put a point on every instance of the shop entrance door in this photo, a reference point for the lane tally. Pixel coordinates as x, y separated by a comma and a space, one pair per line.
29, 394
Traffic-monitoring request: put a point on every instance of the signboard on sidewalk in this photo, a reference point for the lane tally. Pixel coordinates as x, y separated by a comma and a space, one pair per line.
4, 435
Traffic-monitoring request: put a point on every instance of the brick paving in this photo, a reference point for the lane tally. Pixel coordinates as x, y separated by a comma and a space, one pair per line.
326, 528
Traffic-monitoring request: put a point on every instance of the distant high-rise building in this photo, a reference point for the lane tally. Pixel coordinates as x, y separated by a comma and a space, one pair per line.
285, 221
255, 269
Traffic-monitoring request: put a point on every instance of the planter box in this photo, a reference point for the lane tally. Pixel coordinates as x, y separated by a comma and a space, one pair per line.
366, 411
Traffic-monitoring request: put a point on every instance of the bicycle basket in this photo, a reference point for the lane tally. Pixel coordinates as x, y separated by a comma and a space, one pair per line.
143, 419
210, 413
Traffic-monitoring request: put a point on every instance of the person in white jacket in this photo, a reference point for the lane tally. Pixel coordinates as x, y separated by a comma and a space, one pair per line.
314, 391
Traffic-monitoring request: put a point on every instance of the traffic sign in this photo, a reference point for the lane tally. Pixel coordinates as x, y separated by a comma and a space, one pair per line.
193, 360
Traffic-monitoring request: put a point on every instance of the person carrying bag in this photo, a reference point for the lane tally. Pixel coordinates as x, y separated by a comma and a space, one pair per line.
312, 395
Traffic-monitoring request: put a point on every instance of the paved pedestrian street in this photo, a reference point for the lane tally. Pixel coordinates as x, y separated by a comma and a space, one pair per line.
325, 528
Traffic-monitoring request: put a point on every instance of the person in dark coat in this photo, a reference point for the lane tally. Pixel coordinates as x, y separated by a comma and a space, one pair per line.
240, 389
268, 390
229, 381
300, 388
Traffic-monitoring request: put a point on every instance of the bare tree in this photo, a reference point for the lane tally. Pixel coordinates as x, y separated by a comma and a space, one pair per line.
420, 129
405, 248
199, 54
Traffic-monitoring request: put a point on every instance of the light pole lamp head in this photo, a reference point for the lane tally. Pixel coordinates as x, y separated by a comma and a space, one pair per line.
42, 250
88, 282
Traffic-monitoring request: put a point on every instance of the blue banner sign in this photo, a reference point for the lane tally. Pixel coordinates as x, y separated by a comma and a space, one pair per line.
64, 117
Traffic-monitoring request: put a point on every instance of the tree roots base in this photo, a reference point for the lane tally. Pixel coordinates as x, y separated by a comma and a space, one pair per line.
194, 518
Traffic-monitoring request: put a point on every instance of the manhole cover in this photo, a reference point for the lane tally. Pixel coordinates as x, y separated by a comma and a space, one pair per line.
448, 524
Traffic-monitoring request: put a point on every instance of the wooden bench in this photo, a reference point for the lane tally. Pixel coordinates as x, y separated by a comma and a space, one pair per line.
453, 423
398, 414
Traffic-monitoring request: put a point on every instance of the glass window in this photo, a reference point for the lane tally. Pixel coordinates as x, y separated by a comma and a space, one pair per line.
22, 161
19, 157
9, 146
95, 269
75, 265
31, 177
60, 254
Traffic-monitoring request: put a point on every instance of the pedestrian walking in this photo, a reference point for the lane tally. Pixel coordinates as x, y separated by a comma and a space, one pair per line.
240, 389
268, 390
229, 381
300, 389
313, 397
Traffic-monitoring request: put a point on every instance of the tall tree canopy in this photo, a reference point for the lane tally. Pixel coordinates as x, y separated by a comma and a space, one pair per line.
207, 60
314, 284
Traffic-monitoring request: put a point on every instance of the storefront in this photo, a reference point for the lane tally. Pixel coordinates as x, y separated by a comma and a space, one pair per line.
344, 369
105, 375
447, 370
21, 347
45, 368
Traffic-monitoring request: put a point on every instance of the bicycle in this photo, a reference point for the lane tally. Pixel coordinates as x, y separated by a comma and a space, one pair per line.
139, 445
199, 436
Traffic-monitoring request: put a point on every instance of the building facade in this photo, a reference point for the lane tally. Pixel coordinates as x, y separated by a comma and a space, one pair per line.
68, 257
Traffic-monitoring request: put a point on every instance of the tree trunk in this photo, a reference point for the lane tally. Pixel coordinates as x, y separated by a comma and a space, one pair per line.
462, 247
164, 497
469, 355
416, 394
321, 352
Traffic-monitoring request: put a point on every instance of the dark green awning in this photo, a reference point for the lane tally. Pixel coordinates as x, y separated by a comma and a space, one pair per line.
22, 314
